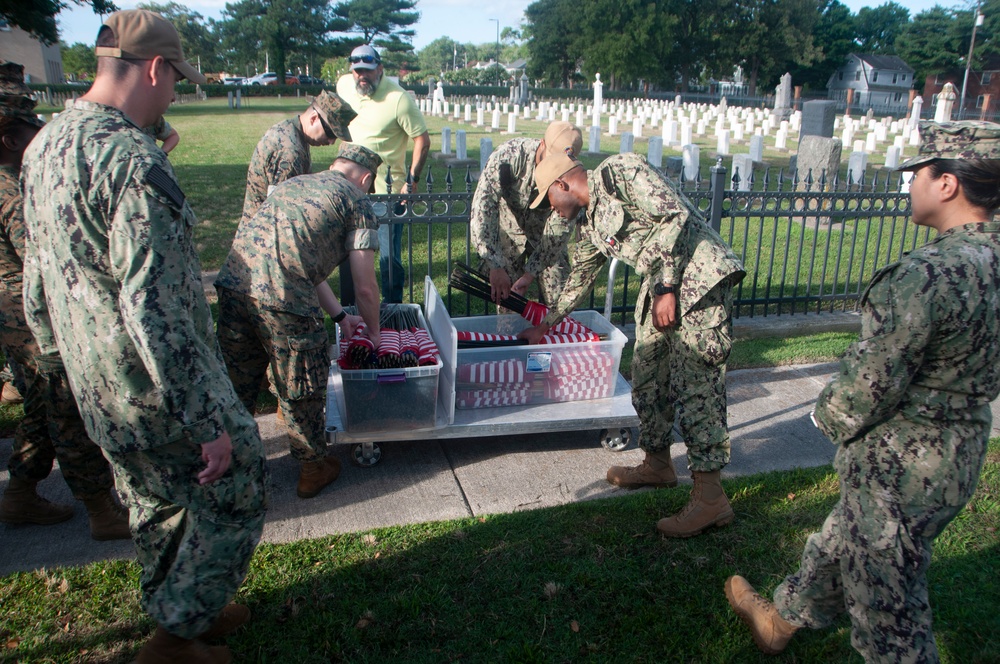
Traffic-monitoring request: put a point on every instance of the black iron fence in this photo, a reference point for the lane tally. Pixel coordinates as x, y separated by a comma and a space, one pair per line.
810, 243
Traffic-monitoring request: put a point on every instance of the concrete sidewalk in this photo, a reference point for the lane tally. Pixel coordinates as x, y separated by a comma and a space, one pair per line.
422, 481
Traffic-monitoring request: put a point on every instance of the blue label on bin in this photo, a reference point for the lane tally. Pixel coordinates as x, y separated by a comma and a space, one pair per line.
539, 362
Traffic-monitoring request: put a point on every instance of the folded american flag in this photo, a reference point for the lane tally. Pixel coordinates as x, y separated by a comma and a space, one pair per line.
589, 362
492, 372
573, 388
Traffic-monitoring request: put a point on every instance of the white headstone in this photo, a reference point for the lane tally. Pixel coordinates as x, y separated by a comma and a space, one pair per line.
637, 127
655, 153
461, 152
579, 116
468, 113
743, 169
781, 139
918, 105
511, 123
479, 117
892, 156
627, 143
691, 155
495, 120
595, 140
485, 150
685, 133
670, 132
757, 148
870, 142
945, 103
446, 140
565, 114
856, 165
612, 125
722, 146
598, 91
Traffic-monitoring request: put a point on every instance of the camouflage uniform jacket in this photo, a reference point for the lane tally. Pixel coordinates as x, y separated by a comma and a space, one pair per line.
11, 232
281, 154
304, 230
636, 216
910, 407
111, 252
501, 205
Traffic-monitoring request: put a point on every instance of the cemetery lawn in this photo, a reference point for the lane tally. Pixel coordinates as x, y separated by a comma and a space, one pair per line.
589, 581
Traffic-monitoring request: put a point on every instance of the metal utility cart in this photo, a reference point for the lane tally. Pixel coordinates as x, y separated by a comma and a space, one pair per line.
614, 416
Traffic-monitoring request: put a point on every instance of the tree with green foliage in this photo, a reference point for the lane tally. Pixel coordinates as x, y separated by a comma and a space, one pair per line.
78, 60
691, 40
833, 37
876, 29
438, 56
199, 43
931, 44
282, 29
768, 37
38, 17
551, 27
382, 23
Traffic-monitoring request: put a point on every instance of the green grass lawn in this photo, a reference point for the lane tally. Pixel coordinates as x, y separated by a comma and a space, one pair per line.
589, 581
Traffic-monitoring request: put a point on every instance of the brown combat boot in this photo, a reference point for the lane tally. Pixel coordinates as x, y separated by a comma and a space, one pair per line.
108, 519
708, 506
10, 394
165, 648
229, 619
657, 469
22, 504
770, 631
315, 475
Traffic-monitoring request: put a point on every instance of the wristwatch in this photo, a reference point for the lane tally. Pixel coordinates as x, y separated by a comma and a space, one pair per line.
662, 289
341, 316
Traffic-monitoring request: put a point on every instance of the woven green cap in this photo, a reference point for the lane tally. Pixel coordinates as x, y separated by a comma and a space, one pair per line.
969, 139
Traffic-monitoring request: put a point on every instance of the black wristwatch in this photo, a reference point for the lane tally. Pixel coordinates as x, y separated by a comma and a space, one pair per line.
661, 289
341, 316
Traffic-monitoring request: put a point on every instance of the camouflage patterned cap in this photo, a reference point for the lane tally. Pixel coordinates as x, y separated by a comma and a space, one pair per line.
548, 171
563, 137
336, 112
969, 139
15, 97
360, 155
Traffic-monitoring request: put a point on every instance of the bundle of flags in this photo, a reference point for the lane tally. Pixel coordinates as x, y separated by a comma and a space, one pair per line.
404, 343
573, 374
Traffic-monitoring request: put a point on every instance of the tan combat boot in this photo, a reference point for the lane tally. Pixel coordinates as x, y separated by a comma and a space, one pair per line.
708, 506
315, 475
108, 519
22, 504
10, 394
657, 469
770, 631
229, 619
165, 648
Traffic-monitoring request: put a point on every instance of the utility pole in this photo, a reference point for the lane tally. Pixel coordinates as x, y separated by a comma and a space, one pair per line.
968, 61
497, 21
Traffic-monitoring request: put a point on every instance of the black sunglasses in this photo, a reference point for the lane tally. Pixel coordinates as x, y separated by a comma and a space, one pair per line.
367, 59
326, 128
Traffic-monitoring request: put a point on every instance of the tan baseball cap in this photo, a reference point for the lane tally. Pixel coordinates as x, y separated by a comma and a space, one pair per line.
563, 137
336, 112
143, 35
549, 170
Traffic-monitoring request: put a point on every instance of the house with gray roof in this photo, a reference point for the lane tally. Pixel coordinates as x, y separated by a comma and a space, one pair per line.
880, 82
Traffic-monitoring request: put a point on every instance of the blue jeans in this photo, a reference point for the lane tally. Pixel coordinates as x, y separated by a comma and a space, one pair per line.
390, 254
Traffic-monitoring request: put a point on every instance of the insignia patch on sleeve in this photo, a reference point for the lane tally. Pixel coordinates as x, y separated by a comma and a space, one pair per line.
163, 183
608, 180
506, 177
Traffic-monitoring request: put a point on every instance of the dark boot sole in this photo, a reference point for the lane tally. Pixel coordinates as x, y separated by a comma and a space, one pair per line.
657, 485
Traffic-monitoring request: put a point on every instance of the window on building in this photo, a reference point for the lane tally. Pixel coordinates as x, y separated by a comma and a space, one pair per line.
934, 100
979, 101
937, 79
840, 76
987, 77
874, 76
894, 77
899, 96
857, 76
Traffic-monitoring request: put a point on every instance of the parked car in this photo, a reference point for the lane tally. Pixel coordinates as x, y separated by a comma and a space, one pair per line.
305, 79
267, 78
233, 80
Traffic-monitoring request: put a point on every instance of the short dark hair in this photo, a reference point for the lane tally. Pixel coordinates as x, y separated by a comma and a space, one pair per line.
979, 178
114, 68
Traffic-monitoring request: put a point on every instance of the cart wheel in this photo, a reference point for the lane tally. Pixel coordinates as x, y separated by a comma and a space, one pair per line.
366, 455
616, 441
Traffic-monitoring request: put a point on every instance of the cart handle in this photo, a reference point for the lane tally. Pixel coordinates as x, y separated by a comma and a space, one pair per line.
609, 297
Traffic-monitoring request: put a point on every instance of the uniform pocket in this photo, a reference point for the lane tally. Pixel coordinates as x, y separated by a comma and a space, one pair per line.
308, 364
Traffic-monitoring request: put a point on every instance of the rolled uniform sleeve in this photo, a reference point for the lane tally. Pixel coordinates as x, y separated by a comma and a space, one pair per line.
484, 218
587, 263
363, 231
877, 370
164, 310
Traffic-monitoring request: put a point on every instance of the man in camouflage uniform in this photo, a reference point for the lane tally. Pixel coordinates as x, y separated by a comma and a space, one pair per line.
910, 413
283, 152
683, 317
111, 254
51, 426
519, 244
273, 292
